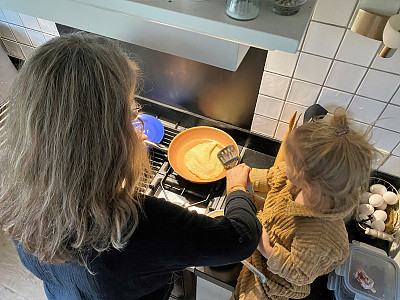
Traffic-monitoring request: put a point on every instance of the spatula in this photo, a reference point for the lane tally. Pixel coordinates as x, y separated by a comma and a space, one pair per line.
229, 157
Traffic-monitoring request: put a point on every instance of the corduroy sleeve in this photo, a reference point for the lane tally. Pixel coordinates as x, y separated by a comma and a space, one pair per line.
307, 259
259, 180
263, 180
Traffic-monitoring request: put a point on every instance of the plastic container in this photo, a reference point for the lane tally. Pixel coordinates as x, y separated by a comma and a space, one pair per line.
335, 283
381, 269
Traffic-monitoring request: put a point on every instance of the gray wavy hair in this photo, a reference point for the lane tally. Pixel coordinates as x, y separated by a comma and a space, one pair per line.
72, 164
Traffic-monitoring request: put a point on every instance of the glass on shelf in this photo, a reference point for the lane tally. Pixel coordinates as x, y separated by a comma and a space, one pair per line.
242, 9
287, 7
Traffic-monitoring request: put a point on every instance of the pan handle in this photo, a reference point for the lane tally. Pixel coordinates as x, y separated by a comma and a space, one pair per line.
156, 145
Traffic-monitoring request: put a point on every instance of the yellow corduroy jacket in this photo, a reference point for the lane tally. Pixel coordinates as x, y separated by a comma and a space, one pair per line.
306, 243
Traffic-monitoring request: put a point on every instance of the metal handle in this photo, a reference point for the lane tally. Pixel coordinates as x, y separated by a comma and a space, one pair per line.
254, 270
156, 145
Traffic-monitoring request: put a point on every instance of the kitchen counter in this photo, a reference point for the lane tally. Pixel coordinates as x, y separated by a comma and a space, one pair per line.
257, 152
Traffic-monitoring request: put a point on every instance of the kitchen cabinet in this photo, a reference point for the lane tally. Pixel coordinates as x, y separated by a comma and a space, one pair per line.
197, 30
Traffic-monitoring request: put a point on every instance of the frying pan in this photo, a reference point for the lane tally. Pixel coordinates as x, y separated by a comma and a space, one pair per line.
187, 139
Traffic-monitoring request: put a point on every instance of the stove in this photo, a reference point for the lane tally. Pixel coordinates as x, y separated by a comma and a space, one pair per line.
167, 184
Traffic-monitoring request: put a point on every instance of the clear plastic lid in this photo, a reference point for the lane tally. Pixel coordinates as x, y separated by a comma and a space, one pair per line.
371, 275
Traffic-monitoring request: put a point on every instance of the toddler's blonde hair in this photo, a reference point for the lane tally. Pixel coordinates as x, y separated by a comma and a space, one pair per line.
334, 159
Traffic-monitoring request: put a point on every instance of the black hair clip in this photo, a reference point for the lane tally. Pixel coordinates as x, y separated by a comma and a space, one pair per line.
314, 113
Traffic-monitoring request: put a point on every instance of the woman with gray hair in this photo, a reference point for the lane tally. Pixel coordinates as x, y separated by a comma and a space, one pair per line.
72, 168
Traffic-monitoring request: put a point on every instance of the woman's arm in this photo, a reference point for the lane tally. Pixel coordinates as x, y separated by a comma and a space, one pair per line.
182, 238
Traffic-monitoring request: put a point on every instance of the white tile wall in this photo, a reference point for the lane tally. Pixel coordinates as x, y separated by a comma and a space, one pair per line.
281, 130
21, 34
12, 17
379, 140
390, 118
396, 98
2, 17
380, 159
357, 49
289, 109
281, 62
7, 75
336, 12
391, 165
322, 39
274, 85
330, 99
30, 22
13, 49
268, 107
311, 68
303, 93
37, 37
336, 67
379, 85
365, 110
26, 50
5, 31
396, 151
344, 76
48, 27
263, 125
389, 65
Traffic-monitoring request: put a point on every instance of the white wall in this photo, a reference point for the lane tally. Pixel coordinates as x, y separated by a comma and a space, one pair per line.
21, 34
334, 66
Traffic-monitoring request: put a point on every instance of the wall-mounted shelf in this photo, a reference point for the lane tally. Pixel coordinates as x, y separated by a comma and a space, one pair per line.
198, 30
267, 31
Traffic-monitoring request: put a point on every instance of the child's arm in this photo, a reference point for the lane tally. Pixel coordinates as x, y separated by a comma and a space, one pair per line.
259, 181
264, 244
292, 125
265, 179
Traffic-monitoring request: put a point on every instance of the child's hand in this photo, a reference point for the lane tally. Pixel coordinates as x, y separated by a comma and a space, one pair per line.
264, 245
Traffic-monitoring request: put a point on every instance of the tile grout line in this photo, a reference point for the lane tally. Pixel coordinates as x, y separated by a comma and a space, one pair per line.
292, 76
330, 66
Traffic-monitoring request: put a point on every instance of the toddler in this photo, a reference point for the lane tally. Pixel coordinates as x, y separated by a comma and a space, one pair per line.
314, 184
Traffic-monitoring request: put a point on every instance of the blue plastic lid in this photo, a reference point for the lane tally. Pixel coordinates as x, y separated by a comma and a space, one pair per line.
378, 267
153, 127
